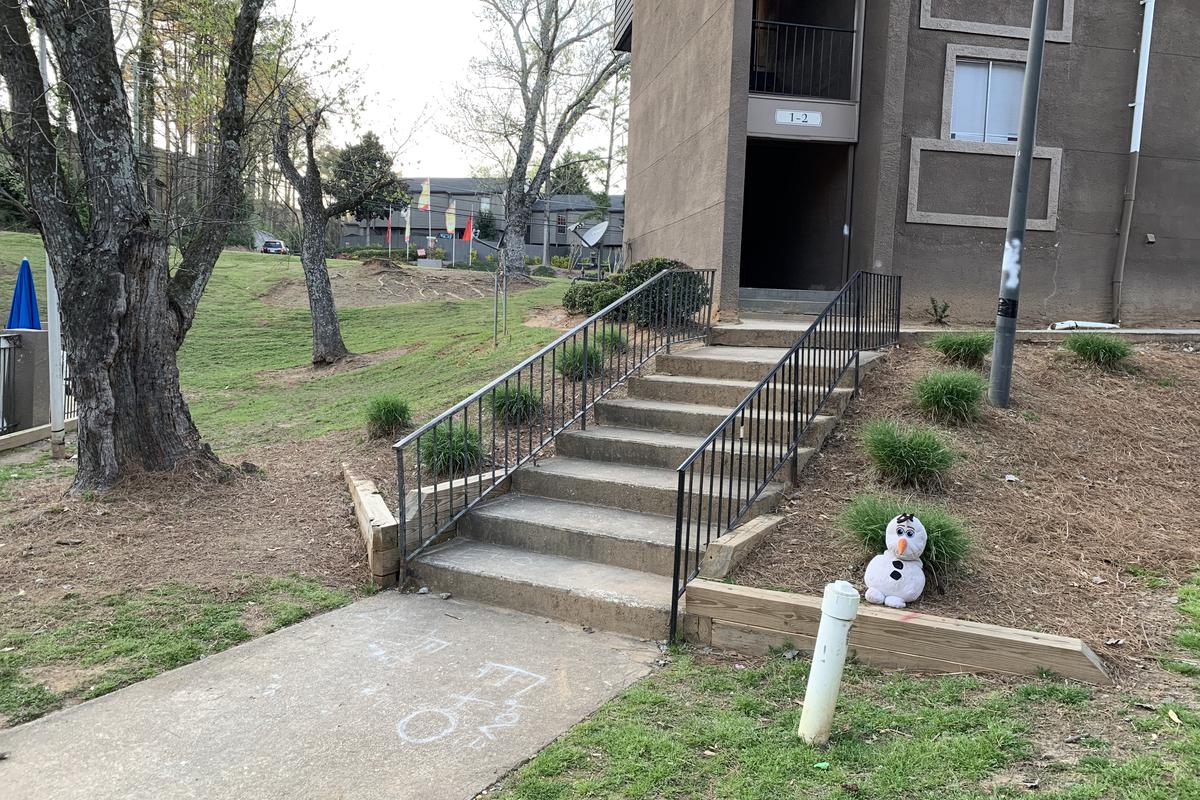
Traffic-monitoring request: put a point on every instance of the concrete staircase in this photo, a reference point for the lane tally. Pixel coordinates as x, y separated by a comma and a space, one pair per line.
588, 535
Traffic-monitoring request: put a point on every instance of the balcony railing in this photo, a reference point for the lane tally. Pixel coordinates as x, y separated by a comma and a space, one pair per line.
802, 60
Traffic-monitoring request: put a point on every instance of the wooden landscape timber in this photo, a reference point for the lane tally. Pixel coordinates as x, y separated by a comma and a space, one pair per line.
379, 529
753, 621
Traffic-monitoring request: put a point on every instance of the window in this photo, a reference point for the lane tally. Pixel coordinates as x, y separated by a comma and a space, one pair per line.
561, 222
485, 204
987, 100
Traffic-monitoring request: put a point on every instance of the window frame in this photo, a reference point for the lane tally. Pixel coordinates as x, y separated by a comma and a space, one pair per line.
971, 53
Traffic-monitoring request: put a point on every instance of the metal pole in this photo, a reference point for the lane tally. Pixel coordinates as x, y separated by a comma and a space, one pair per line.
1014, 237
546, 232
1135, 147
58, 447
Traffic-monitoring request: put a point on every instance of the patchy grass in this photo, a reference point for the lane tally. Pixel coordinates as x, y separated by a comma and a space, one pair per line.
866, 519
966, 349
41, 467
729, 731
137, 634
953, 395
1100, 349
914, 455
1187, 638
387, 416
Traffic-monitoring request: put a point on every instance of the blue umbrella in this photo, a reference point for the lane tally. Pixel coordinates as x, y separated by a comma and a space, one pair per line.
24, 310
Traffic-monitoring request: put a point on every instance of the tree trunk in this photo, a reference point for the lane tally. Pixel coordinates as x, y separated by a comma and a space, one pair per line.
328, 346
516, 222
132, 414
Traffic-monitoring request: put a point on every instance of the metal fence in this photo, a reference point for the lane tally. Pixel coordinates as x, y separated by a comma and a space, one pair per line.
70, 403
8, 343
721, 480
802, 60
458, 458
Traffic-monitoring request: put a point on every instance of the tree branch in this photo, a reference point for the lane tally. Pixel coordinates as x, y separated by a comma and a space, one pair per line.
380, 183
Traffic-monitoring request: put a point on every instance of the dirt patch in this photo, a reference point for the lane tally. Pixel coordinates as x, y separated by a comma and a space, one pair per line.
377, 283
1091, 541
294, 376
555, 318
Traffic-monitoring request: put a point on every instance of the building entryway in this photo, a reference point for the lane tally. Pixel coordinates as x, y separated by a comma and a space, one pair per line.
795, 215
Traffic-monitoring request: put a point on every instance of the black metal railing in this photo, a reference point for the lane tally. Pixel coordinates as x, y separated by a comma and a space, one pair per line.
8, 343
802, 60
70, 402
459, 457
723, 478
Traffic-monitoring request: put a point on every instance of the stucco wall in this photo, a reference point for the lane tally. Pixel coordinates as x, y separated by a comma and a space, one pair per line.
1087, 85
687, 139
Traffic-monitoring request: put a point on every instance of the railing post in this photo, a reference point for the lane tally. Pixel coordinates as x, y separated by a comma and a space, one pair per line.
402, 512
795, 437
896, 301
587, 364
678, 558
860, 282
670, 310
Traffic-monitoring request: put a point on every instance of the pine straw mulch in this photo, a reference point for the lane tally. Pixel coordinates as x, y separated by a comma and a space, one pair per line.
293, 516
1093, 539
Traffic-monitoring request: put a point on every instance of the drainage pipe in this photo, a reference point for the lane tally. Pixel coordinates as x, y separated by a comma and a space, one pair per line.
839, 607
1135, 146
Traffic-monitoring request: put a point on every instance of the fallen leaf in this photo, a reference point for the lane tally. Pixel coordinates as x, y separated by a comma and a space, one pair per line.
1174, 717
822, 765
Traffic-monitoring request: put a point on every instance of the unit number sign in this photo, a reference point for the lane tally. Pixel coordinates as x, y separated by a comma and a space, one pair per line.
785, 116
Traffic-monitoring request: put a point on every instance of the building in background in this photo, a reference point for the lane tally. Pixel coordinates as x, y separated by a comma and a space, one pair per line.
790, 144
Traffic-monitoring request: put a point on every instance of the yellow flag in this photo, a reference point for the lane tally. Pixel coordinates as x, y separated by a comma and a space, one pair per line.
423, 203
450, 217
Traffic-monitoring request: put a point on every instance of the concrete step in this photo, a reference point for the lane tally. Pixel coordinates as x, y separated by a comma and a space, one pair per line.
705, 391
773, 332
756, 293
575, 530
750, 363
601, 596
795, 307
697, 420
646, 490
641, 447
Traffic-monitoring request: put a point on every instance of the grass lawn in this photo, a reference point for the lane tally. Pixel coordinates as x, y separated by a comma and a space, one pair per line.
232, 357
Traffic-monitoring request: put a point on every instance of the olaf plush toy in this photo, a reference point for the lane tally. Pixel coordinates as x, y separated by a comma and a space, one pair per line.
896, 578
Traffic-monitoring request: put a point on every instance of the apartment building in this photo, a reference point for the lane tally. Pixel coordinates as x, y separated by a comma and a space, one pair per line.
791, 142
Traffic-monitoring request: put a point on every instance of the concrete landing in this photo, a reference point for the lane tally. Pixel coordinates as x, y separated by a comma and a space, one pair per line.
405, 696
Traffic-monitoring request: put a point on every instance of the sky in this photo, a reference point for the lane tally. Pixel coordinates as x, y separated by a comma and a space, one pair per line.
410, 55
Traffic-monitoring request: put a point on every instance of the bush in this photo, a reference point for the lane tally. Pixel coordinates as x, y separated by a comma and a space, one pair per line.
516, 405
938, 312
866, 519
1099, 349
532, 261
581, 297
688, 292
542, 271
387, 415
577, 360
611, 341
967, 349
954, 395
560, 262
605, 295
450, 448
916, 456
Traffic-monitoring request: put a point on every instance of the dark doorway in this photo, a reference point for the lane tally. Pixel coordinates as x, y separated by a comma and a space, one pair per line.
795, 213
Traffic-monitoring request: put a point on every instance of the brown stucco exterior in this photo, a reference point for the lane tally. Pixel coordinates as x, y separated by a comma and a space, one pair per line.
923, 205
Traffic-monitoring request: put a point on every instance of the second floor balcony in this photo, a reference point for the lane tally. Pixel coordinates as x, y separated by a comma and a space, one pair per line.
802, 60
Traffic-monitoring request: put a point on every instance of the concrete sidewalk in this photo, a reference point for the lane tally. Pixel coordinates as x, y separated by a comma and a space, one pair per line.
399, 696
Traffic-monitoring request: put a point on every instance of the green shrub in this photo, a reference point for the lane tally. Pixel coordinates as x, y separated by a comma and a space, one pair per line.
1099, 349
909, 456
582, 296
450, 447
866, 519
576, 360
605, 295
532, 261
680, 299
387, 415
954, 395
611, 341
516, 405
967, 349
938, 312
542, 271
560, 262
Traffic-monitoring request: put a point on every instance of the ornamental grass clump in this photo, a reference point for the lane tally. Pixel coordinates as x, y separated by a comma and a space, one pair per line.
865, 521
575, 361
387, 416
965, 349
516, 405
611, 341
450, 448
907, 456
954, 395
1098, 349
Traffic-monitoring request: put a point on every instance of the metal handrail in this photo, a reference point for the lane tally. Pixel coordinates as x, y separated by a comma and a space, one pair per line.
576, 370
839, 28
763, 432
802, 60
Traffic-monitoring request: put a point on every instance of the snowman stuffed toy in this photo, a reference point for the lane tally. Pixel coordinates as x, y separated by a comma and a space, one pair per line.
896, 578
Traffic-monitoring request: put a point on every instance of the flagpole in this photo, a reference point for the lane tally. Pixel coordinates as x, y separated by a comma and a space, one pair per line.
389, 235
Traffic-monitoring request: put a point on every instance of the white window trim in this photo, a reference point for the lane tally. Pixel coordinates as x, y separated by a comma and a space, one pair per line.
957, 51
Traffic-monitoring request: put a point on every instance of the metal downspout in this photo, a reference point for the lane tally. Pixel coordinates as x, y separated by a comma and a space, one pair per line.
1135, 146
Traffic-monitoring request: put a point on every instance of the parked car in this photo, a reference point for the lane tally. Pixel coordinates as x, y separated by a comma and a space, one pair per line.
274, 247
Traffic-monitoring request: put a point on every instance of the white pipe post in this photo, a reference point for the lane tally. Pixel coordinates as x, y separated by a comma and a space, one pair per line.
838, 610
58, 442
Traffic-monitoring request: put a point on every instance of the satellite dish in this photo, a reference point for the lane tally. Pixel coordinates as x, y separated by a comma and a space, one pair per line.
593, 236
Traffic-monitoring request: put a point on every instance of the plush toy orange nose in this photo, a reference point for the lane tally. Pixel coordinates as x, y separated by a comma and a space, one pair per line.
900, 546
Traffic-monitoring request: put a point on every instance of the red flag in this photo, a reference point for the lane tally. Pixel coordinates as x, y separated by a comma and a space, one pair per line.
389, 233
469, 231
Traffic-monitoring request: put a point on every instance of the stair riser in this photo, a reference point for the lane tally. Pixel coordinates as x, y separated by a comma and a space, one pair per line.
642, 454
541, 538
646, 499
663, 389
560, 604
738, 370
797, 307
697, 424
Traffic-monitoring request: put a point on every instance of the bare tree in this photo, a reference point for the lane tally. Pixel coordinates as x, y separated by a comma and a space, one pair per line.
549, 60
305, 125
125, 314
